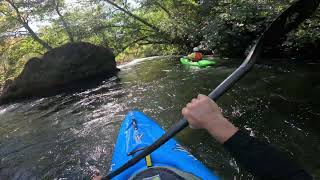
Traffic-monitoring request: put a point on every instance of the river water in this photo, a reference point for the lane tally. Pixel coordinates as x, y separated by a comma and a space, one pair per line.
70, 135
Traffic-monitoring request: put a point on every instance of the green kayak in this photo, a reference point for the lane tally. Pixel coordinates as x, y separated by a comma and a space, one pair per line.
202, 63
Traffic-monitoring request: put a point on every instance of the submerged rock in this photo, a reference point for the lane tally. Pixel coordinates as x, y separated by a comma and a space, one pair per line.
58, 69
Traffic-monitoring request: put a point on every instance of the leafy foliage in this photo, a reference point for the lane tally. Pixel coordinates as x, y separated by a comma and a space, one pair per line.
140, 28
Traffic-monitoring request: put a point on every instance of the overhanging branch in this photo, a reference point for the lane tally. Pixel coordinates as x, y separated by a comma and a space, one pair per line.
143, 21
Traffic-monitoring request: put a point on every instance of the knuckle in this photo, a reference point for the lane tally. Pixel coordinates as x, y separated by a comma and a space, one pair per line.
185, 111
207, 99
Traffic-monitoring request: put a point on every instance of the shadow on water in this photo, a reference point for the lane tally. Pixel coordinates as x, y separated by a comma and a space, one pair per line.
71, 134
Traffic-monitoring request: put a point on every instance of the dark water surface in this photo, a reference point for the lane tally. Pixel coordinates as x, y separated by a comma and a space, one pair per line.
70, 135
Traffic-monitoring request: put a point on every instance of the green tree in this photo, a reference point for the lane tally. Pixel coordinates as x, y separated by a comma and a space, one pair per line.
20, 12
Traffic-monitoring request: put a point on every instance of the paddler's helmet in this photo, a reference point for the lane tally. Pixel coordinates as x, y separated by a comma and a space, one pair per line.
196, 49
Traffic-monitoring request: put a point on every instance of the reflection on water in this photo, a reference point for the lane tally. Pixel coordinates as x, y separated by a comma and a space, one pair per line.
70, 135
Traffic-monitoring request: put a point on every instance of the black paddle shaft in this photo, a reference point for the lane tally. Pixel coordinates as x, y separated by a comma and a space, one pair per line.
287, 21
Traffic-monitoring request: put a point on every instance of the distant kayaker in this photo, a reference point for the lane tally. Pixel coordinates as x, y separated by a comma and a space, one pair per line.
261, 159
196, 55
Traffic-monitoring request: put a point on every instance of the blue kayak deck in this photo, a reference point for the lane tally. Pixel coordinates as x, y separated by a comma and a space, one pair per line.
139, 131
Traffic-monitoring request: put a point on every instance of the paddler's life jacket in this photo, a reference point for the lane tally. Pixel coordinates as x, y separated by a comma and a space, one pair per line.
197, 56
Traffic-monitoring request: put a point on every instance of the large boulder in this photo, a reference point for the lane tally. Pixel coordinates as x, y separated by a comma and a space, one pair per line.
59, 68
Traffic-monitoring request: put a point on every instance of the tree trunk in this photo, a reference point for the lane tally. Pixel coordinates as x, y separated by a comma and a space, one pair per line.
64, 22
28, 28
36, 37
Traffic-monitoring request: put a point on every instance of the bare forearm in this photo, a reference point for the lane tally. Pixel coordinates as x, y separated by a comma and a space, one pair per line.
260, 158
